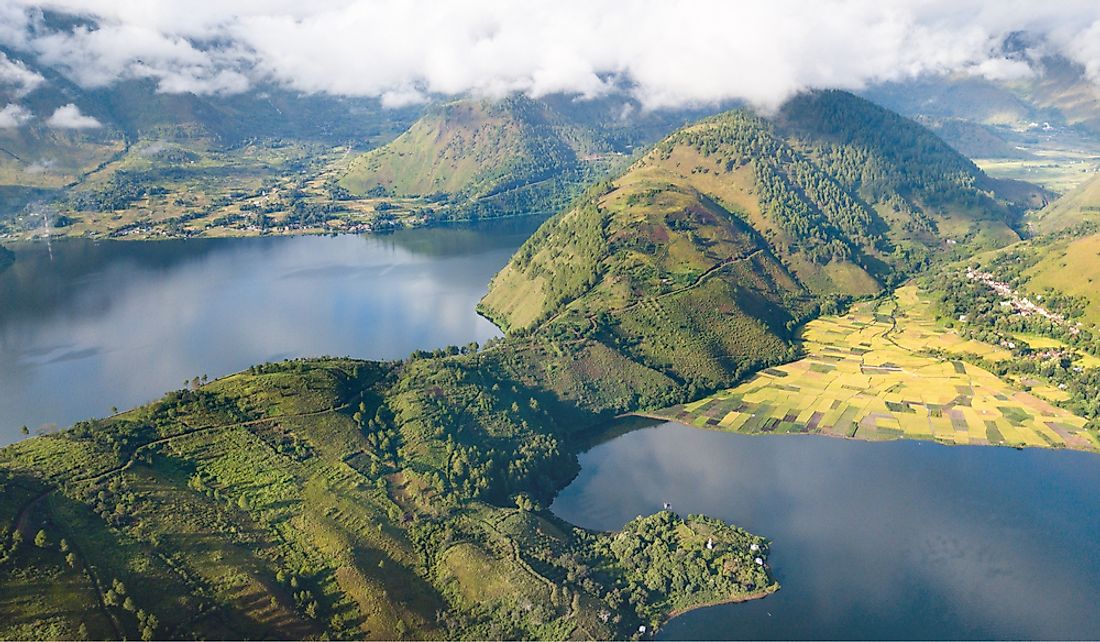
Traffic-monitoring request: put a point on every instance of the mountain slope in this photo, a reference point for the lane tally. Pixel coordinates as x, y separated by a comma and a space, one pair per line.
699, 260
1063, 258
509, 155
1079, 206
839, 205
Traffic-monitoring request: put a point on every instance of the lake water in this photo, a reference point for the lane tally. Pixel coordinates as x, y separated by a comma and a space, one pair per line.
102, 324
890, 540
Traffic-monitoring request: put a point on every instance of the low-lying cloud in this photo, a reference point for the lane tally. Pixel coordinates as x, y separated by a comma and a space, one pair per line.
664, 53
12, 115
16, 78
69, 117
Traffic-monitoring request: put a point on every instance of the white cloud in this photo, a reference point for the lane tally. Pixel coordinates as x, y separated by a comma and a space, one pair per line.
13, 115
69, 117
15, 74
665, 53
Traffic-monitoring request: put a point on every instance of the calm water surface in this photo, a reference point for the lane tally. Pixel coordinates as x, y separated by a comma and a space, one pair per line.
894, 540
104, 324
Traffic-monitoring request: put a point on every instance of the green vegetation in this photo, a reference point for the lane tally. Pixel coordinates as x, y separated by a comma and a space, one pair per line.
887, 369
700, 260
339, 498
479, 158
1078, 207
342, 498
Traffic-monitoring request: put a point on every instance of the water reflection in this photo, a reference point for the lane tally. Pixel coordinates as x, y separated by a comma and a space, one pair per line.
117, 324
895, 540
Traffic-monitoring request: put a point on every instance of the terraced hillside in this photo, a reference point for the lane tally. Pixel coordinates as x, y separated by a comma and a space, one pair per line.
337, 498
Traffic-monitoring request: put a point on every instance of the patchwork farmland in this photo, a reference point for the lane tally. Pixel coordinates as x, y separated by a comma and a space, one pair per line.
869, 375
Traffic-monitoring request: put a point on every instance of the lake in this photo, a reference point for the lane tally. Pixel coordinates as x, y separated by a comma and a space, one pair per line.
892, 540
88, 325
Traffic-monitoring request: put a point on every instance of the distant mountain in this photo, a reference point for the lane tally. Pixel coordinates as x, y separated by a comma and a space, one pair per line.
40, 156
700, 259
1059, 92
515, 155
476, 151
985, 118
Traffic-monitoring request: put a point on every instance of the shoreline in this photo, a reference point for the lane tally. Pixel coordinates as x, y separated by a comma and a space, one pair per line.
733, 599
14, 240
819, 433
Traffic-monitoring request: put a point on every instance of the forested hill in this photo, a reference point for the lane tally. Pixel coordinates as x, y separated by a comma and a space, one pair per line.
700, 259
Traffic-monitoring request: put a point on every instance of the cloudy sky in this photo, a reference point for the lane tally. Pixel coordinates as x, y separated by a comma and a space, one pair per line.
666, 53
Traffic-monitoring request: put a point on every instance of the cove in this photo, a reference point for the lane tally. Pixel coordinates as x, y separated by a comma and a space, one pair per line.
885, 540
87, 325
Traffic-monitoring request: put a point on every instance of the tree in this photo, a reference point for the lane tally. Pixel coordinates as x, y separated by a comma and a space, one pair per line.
40, 539
525, 503
70, 559
128, 604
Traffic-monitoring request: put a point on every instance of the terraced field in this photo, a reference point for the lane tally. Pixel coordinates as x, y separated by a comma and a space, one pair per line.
867, 375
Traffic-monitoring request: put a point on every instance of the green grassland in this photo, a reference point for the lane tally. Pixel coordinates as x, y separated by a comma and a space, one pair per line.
1059, 161
870, 374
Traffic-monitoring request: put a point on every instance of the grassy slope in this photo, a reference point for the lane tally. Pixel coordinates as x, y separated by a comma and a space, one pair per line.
338, 498
475, 150
1079, 206
1064, 257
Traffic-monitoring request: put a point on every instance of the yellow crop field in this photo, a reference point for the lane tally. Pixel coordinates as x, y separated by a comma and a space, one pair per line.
866, 375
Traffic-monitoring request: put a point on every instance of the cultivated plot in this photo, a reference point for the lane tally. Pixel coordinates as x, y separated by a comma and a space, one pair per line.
868, 375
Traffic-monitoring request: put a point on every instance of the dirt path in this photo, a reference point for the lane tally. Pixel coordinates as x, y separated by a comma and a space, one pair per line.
709, 272
200, 429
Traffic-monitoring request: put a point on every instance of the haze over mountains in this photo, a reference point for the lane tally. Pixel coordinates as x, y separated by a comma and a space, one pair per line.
230, 76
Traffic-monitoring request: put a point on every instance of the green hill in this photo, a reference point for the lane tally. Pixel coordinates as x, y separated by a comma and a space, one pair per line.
483, 157
1082, 205
699, 260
